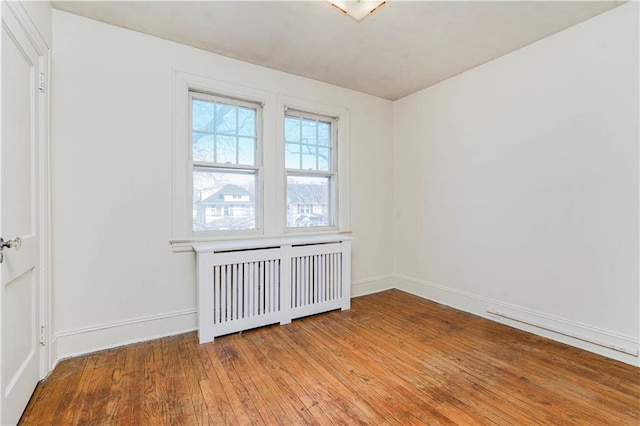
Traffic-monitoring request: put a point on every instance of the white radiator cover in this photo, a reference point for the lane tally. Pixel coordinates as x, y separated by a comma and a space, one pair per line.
251, 283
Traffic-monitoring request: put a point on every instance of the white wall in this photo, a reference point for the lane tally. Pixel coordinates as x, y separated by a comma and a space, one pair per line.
517, 186
115, 276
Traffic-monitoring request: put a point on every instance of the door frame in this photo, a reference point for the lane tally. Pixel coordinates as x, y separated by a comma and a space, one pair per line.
21, 18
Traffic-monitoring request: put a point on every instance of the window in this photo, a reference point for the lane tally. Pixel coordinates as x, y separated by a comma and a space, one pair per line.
225, 163
311, 172
248, 162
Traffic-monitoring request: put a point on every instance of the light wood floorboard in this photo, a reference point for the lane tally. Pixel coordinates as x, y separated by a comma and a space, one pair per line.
393, 359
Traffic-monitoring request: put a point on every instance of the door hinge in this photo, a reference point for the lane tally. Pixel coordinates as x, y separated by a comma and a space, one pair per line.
42, 335
41, 85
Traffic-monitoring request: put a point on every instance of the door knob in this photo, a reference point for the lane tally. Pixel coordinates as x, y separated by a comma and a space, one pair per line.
15, 243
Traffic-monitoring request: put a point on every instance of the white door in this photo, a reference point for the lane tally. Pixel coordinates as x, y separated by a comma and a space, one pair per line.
19, 270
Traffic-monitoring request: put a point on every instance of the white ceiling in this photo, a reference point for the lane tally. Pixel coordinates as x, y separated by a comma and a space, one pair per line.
404, 47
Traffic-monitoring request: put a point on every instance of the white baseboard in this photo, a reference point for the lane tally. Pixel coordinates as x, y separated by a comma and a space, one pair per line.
372, 285
81, 341
592, 339
85, 340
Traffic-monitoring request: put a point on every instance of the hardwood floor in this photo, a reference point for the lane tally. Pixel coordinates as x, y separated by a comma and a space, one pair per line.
392, 359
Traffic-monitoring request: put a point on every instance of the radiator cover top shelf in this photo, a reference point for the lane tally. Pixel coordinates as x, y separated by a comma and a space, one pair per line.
252, 283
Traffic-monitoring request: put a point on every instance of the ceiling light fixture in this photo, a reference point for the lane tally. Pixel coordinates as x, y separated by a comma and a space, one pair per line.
357, 9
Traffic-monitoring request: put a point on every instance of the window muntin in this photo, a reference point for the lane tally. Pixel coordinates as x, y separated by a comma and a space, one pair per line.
225, 163
223, 133
308, 143
310, 147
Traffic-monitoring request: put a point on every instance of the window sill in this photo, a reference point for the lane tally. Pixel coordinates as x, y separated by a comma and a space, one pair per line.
186, 245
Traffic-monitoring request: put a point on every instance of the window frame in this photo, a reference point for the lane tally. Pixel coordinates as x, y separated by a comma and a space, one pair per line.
257, 168
332, 173
273, 185
181, 234
340, 155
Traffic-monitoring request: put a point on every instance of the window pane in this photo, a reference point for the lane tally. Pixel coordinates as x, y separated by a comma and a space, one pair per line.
225, 119
202, 147
323, 133
308, 201
309, 161
324, 159
246, 122
223, 200
292, 129
226, 149
292, 156
246, 151
309, 132
202, 116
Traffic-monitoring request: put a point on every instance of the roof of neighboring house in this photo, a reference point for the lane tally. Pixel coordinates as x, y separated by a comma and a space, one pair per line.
228, 189
311, 218
303, 193
297, 193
